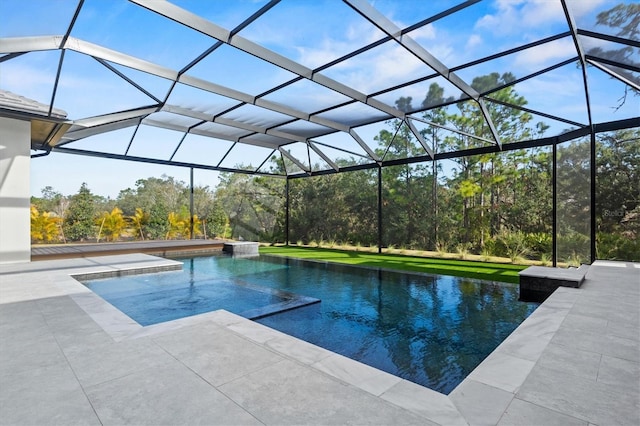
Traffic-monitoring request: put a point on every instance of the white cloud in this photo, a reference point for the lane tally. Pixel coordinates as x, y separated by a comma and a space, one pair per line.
330, 48
28, 81
473, 42
579, 8
504, 20
512, 16
546, 54
539, 12
428, 32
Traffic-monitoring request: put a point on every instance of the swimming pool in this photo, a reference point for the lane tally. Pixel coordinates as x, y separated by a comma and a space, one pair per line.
431, 330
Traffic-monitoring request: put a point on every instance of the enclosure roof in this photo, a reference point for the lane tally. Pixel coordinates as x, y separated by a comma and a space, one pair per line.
228, 85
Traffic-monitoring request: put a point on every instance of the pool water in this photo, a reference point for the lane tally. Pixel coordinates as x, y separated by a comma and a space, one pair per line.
431, 330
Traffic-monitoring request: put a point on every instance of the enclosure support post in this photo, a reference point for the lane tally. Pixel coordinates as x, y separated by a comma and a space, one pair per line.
554, 207
286, 213
191, 203
592, 166
379, 209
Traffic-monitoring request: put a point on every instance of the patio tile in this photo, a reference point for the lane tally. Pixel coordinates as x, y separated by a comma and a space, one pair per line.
585, 323
299, 350
621, 373
502, 371
625, 311
227, 318
355, 373
18, 315
22, 321
522, 413
97, 363
128, 375
592, 311
28, 350
289, 393
543, 322
571, 360
524, 346
627, 330
170, 394
562, 299
603, 344
581, 398
113, 321
216, 354
428, 403
254, 331
480, 404
48, 395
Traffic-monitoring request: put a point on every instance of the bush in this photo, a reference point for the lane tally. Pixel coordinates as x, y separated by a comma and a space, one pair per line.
617, 247
539, 244
515, 244
573, 247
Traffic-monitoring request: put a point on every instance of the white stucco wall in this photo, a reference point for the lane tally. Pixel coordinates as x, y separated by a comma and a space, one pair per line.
15, 218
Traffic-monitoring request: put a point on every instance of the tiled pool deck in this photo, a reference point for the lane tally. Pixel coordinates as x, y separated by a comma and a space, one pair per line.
67, 357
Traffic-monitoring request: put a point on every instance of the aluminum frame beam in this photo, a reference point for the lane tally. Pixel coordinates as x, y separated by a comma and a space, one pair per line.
389, 28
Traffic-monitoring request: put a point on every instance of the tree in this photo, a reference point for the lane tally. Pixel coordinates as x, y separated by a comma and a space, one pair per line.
404, 200
253, 205
434, 133
618, 195
488, 185
78, 223
217, 221
112, 224
180, 224
139, 220
156, 197
624, 19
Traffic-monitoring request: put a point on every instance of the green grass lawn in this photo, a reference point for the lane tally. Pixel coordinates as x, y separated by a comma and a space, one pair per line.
461, 268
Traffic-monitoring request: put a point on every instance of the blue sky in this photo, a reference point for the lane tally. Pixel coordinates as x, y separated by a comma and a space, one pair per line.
310, 32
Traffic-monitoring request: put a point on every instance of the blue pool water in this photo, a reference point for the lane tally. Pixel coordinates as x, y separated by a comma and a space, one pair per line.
431, 330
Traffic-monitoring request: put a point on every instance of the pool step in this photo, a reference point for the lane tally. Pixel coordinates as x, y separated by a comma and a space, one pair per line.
241, 248
538, 282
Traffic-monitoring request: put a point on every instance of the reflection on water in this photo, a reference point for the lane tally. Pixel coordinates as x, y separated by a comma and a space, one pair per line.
431, 330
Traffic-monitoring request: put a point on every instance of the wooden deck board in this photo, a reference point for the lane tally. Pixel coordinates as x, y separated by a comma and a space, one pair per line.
156, 247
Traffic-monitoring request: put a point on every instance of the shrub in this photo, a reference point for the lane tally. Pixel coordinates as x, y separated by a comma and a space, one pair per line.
545, 259
463, 250
515, 244
538, 243
45, 226
573, 247
617, 247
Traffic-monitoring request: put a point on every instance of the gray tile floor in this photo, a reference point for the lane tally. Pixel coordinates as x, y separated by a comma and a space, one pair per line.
67, 357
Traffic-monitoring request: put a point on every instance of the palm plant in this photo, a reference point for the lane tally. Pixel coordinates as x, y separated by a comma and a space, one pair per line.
139, 219
112, 223
44, 226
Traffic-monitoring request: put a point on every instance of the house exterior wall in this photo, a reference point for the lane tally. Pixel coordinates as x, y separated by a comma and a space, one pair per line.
15, 218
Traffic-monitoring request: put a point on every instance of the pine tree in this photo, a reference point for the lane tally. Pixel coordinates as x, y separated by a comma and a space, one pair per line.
79, 222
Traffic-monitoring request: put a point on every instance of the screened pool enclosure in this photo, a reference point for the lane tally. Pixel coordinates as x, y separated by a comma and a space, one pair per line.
436, 125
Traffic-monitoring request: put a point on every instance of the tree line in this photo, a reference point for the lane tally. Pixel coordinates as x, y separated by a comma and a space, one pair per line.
157, 208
